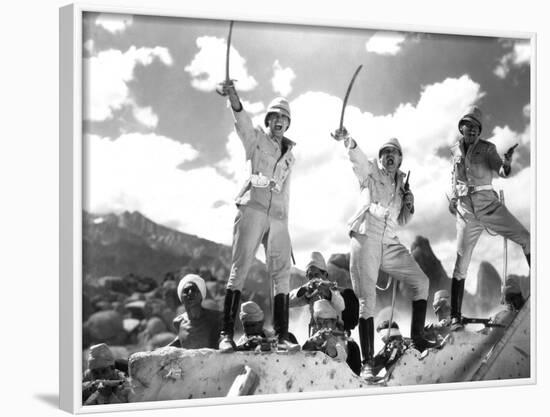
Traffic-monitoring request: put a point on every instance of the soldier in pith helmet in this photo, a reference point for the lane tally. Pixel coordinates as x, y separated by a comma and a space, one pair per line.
475, 204
262, 215
385, 203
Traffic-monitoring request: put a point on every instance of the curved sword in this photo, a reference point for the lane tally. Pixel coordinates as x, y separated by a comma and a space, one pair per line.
227, 80
345, 102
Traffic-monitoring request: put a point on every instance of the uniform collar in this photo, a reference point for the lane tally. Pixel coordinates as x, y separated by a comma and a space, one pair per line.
398, 174
472, 146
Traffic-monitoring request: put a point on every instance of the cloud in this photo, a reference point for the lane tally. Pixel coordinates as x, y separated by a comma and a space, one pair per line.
106, 78
146, 116
282, 79
385, 43
518, 57
207, 69
113, 22
139, 172
253, 108
89, 46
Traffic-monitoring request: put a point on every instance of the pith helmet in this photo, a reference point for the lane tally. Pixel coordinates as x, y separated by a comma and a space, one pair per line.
392, 143
100, 356
472, 115
278, 105
318, 261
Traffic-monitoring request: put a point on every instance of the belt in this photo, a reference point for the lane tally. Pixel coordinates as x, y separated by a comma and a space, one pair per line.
378, 210
476, 188
261, 181
463, 189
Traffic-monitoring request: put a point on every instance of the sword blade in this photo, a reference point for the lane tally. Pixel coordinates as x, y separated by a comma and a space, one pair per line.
347, 95
227, 79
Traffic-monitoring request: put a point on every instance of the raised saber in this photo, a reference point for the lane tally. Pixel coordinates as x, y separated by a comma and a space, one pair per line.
344, 104
228, 80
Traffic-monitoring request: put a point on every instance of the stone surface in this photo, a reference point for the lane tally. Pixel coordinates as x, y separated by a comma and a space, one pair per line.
172, 373
467, 351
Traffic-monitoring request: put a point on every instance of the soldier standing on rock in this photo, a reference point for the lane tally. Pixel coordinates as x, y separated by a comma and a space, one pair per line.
475, 204
262, 213
385, 203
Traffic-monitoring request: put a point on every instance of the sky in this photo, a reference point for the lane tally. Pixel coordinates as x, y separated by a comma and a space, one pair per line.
159, 139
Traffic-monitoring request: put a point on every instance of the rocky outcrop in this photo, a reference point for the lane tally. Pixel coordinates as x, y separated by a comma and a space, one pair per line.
489, 288
423, 254
173, 373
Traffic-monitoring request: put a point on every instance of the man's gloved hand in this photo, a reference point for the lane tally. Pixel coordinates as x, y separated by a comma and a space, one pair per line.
408, 200
453, 202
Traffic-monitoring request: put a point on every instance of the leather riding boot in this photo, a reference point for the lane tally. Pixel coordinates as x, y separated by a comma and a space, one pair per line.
457, 292
280, 324
417, 326
230, 308
366, 341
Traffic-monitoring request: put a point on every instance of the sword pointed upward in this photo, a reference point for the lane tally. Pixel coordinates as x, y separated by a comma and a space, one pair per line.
345, 102
228, 81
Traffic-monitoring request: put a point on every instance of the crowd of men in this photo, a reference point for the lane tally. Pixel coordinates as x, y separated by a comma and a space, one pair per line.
386, 202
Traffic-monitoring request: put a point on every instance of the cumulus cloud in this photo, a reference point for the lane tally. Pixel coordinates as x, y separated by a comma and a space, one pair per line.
146, 116
385, 43
518, 57
89, 46
207, 69
106, 78
139, 172
324, 188
113, 22
282, 79
253, 108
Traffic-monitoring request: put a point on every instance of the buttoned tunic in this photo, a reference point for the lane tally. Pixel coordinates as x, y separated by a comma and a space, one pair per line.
478, 204
374, 242
262, 203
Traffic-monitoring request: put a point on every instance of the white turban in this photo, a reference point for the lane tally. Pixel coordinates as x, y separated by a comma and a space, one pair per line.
195, 279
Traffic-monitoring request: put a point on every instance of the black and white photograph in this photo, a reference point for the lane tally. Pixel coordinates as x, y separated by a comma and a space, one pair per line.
271, 209
277, 208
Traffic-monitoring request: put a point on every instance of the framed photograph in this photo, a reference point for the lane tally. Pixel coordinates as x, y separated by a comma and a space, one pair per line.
259, 210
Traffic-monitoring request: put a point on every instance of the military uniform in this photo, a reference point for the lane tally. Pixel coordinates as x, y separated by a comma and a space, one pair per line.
478, 204
374, 242
263, 206
375, 246
262, 216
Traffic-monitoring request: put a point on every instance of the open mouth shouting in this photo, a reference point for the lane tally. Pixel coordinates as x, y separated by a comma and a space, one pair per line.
278, 124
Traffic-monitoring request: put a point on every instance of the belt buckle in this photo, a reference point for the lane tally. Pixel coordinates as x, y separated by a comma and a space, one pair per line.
471, 189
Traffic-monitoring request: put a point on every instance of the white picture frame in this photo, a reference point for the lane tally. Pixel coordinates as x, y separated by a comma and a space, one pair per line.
71, 179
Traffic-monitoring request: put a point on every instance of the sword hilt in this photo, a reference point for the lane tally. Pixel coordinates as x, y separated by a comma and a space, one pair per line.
226, 83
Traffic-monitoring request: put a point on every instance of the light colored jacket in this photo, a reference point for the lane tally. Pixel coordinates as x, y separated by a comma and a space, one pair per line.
380, 207
269, 160
476, 167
